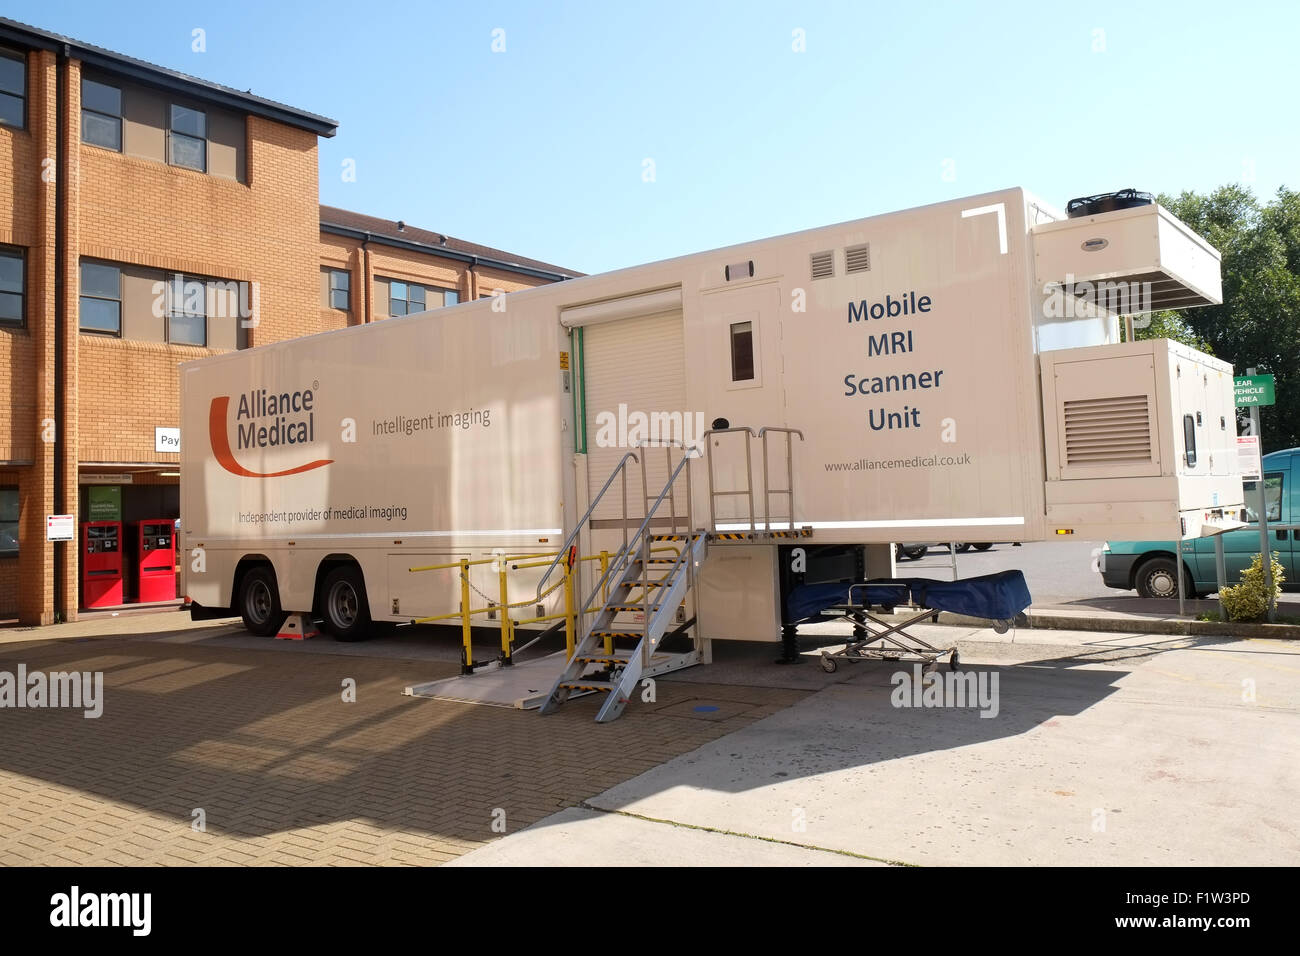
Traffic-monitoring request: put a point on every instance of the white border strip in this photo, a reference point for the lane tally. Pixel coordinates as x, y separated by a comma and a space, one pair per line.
893, 523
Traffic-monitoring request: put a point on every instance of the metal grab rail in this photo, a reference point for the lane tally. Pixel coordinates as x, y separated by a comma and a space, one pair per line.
768, 490
749, 473
504, 604
640, 539
620, 468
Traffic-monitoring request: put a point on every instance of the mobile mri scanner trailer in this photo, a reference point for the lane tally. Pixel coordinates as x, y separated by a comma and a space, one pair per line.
672, 449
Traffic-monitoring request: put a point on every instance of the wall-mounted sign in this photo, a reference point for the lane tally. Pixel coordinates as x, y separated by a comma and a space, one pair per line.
122, 479
105, 503
60, 527
167, 439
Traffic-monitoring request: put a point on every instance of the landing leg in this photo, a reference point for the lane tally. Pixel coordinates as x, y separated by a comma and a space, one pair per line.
789, 645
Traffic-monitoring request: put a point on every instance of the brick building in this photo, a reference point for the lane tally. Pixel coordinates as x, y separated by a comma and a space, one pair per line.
149, 218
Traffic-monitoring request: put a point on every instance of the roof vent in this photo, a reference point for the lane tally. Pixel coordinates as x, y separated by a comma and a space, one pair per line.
823, 264
858, 258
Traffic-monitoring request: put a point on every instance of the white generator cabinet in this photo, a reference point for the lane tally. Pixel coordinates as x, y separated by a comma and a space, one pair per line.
1138, 437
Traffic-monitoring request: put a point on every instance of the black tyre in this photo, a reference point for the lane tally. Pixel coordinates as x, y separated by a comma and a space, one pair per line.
344, 610
962, 547
983, 547
1155, 579
259, 602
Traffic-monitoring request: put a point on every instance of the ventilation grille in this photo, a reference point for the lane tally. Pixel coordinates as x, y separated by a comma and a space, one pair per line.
857, 258
823, 264
1107, 431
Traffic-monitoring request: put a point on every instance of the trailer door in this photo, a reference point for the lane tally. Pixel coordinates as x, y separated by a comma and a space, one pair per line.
634, 372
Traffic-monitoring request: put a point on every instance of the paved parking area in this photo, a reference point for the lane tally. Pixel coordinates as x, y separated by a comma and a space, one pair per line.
253, 738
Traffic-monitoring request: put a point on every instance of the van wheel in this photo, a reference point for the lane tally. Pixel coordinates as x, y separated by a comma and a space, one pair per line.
1155, 579
345, 612
259, 602
983, 547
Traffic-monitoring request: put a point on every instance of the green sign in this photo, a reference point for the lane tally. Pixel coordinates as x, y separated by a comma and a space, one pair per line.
1254, 389
105, 502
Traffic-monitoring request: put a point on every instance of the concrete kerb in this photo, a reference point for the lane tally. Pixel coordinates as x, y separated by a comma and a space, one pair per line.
1061, 621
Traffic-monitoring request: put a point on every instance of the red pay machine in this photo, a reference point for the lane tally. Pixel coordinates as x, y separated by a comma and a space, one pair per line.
156, 553
101, 563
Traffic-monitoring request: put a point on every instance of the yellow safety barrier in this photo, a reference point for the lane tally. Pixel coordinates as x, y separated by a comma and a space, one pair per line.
518, 562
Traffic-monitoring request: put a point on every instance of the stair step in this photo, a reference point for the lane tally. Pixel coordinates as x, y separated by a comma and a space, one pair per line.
636, 634
604, 686
601, 659
628, 607
644, 584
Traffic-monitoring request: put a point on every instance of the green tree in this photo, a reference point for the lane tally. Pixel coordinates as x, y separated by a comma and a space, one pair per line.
1258, 323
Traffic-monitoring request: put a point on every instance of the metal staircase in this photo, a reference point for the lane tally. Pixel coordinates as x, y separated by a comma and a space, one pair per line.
610, 656
633, 584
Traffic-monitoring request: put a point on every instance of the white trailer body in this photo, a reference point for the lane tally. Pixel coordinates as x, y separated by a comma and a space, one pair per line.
909, 350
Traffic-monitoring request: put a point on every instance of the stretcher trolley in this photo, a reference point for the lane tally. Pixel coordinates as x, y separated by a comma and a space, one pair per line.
996, 597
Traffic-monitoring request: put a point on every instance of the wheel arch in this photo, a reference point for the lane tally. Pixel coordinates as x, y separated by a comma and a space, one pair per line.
1146, 556
245, 564
328, 564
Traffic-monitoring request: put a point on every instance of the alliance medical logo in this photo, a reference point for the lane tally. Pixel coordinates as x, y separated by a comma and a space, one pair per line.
263, 419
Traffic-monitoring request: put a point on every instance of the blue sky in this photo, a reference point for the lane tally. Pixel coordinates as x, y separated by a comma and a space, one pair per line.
541, 149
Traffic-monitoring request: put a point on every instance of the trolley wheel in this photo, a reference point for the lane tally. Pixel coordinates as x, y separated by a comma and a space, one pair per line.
828, 664
1001, 626
954, 661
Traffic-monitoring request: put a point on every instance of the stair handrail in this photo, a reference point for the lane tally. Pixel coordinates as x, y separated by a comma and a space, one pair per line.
789, 473
619, 561
563, 551
749, 472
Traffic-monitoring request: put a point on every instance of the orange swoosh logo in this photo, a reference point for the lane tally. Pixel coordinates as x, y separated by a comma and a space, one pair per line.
217, 413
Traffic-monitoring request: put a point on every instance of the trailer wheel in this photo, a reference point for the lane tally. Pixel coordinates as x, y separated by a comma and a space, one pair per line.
345, 612
962, 546
828, 664
259, 602
954, 662
983, 546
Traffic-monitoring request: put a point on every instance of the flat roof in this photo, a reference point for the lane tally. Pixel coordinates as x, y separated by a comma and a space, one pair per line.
242, 100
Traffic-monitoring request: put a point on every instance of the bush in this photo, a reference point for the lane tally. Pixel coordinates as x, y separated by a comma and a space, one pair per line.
1248, 601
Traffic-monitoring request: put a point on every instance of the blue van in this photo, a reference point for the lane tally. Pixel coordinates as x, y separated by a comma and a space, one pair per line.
1148, 566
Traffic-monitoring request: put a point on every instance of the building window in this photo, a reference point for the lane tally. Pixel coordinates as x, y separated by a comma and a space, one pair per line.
101, 115
187, 316
340, 289
450, 297
8, 522
405, 298
13, 88
11, 286
101, 298
742, 352
187, 143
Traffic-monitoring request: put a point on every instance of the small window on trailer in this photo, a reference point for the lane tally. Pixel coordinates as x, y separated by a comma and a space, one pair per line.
1189, 439
742, 351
